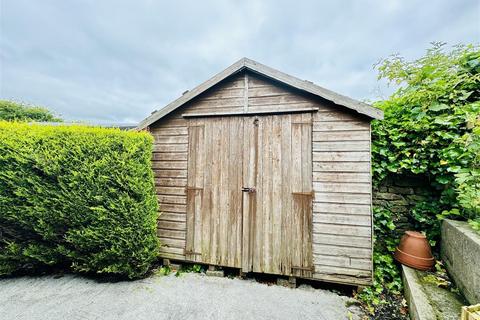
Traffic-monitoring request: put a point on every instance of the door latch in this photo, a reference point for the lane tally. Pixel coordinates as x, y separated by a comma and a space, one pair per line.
249, 190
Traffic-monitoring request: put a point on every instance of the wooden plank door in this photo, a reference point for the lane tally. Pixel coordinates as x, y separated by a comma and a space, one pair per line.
278, 165
214, 196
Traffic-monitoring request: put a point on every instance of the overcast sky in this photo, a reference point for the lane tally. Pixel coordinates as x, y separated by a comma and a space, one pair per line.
116, 61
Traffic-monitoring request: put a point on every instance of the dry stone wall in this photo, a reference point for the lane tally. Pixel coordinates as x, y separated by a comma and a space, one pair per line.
399, 194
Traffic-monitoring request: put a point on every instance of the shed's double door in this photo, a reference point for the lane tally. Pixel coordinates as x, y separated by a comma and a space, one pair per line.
249, 194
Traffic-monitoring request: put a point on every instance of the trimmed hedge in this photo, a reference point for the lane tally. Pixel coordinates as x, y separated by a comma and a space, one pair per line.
76, 196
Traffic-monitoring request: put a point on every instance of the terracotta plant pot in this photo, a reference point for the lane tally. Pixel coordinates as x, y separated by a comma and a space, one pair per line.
414, 251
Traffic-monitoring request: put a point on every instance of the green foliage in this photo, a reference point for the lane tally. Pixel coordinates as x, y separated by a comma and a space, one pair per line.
16, 111
431, 128
190, 268
76, 196
467, 180
386, 279
163, 271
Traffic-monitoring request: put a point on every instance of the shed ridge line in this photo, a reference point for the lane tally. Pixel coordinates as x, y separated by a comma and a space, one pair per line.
268, 72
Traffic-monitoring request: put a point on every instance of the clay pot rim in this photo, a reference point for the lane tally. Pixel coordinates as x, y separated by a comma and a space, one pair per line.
425, 266
416, 257
415, 234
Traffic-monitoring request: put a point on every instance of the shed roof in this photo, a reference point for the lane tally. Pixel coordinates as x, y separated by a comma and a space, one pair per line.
251, 65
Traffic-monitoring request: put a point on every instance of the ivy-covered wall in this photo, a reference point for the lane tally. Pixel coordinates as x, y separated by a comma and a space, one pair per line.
431, 129
399, 195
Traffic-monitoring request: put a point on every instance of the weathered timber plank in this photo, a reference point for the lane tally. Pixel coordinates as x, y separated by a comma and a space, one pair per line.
342, 187
167, 207
171, 225
179, 147
266, 90
335, 250
169, 164
171, 190
173, 234
342, 240
198, 180
172, 243
307, 185
172, 256
170, 173
172, 199
342, 262
169, 139
277, 255
361, 209
278, 100
341, 156
352, 198
165, 251
341, 166
235, 197
204, 220
157, 156
223, 205
341, 270
358, 145
194, 131
341, 135
227, 100
170, 131
340, 278
341, 126
287, 203
360, 231
216, 106
172, 120
345, 177
170, 182
223, 93
290, 107
249, 167
258, 215
173, 216
336, 116
336, 218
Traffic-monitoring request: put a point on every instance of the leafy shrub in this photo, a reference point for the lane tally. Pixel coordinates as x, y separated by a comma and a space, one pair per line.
76, 196
431, 128
16, 111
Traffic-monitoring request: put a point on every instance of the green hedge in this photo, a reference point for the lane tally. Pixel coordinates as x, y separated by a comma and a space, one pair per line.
76, 196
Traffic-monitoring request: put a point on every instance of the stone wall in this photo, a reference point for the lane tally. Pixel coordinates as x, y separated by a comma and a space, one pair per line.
399, 194
460, 250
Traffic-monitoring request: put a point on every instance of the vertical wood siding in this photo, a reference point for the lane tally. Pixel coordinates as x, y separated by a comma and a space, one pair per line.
278, 216
214, 210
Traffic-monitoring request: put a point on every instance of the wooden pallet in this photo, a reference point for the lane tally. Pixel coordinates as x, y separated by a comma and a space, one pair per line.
471, 312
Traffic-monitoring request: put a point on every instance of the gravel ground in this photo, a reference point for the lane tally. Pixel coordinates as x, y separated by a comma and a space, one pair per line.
190, 296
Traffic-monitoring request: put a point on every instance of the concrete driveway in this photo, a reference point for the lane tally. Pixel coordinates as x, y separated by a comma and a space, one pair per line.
190, 296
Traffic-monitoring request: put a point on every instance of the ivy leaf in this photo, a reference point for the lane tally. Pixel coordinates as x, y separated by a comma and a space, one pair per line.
473, 63
438, 107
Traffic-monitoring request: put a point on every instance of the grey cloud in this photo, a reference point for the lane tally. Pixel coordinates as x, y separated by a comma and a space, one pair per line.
119, 60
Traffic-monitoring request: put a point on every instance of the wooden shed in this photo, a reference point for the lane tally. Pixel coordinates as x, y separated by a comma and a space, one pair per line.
261, 171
